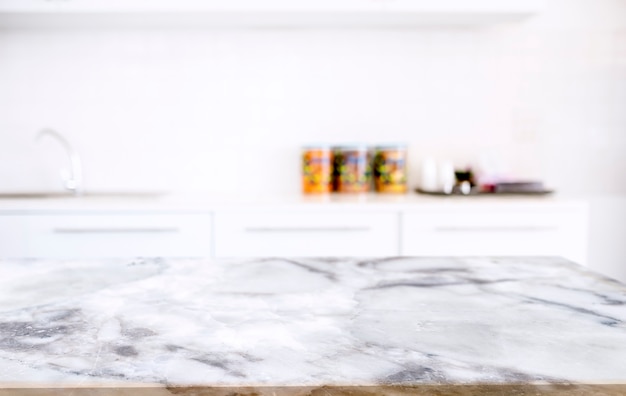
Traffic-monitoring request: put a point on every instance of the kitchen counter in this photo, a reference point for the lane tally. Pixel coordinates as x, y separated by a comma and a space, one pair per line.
281, 326
180, 202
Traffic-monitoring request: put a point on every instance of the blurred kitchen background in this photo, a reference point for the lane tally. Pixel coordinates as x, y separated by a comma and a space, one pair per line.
195, 109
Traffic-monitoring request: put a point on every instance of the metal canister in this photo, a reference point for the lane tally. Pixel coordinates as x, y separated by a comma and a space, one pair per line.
390, 170
352, 170
317, 169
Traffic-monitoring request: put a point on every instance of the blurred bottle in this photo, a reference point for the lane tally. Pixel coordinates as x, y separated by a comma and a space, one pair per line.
447, 178
429, 180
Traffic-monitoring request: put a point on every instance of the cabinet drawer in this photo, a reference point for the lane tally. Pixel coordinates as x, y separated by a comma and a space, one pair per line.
499, 233
306, 234
107, 235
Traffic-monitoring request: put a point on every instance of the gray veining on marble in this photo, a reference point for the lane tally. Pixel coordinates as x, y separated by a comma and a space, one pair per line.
310, 322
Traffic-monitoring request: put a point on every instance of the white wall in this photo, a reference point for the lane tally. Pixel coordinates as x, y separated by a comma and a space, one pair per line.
607, 235
227, 110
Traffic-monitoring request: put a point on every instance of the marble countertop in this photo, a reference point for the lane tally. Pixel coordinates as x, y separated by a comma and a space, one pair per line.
301, 324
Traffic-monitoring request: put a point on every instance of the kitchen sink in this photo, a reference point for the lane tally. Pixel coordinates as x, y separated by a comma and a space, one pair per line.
87, 194
73, 180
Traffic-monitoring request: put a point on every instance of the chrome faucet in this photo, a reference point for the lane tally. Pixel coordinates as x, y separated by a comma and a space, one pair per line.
74, 180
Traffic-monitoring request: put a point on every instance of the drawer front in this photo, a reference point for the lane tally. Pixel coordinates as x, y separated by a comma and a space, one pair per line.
519, 233
109, 235
306, 234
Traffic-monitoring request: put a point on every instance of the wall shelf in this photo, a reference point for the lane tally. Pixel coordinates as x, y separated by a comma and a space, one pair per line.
258, 13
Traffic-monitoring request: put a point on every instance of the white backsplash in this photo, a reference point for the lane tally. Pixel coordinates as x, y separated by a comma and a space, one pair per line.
227, 110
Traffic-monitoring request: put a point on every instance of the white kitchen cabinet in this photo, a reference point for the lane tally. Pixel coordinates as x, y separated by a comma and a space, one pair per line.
338, 225
305, 234
265, 13
105, 235
499, 230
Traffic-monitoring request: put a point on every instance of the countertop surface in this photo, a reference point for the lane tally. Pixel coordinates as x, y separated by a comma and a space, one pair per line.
279, 322
181, 202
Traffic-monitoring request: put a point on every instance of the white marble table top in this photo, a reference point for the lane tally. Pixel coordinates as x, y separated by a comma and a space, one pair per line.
309, 322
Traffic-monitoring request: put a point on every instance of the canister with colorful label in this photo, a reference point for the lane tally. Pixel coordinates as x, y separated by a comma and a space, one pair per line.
352, 170
317, 169
389, 168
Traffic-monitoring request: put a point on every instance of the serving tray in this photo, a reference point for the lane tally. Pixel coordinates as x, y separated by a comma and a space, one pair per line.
488, 194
